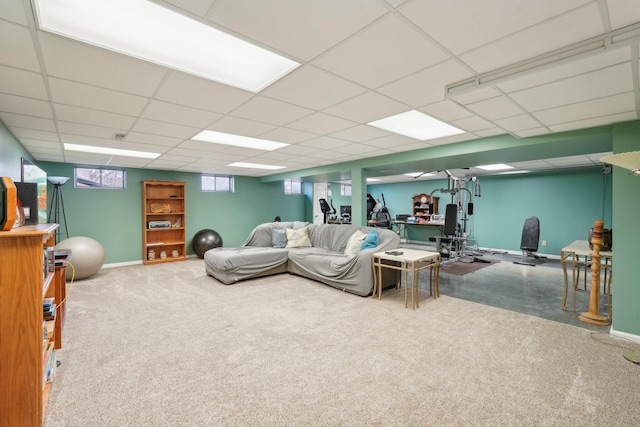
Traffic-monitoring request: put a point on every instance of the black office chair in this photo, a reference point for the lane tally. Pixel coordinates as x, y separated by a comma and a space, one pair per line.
529, 241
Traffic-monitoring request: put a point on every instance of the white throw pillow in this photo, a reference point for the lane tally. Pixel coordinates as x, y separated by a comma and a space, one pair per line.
298, 238
354, 244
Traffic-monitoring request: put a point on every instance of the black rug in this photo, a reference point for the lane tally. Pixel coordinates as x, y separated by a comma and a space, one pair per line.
460, 268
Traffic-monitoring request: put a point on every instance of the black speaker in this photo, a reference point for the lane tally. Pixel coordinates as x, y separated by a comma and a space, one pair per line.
430, 208
28, 196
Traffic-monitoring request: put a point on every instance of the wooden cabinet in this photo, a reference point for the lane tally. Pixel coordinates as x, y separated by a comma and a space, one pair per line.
421, 205
163, 207
25, 280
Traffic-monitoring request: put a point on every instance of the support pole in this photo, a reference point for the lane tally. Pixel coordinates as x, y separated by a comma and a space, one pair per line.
593, 316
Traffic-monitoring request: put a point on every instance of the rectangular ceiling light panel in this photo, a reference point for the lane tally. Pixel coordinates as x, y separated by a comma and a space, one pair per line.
110, 151
145, 30
238, 140
415, 124
254, 166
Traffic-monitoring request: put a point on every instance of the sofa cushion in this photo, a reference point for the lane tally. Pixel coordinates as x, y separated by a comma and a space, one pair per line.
279, 237
298, 238
371, 240
354, 244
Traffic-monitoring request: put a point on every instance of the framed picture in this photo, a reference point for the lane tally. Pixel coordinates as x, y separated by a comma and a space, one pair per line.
32, 173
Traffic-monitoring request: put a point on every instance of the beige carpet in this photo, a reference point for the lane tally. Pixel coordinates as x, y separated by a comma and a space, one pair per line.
166, 345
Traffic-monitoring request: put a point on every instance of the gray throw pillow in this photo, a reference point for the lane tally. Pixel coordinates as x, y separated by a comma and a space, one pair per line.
279, 237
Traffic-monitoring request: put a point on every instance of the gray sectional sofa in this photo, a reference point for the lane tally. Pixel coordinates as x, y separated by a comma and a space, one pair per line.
321, 258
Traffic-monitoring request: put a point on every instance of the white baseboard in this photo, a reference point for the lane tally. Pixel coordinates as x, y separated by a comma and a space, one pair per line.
124, 264
625, 335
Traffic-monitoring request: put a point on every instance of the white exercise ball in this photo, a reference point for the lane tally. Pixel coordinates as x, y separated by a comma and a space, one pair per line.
87, 256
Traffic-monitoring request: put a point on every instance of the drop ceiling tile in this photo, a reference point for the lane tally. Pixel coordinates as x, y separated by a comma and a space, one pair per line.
623, 13
38, 143
593, 122
165, 129
288, 135
495, 108
430, 82
22, 133
566, 29
27, 106
302, 29
483, 133
179, 114
383, 52
393, 140
313, 88
608, 81
237, 126
146, 138
69, 113
446, 111
22, 83
81, 95
324, 142
554, 72
87, 130
271, 111
195, 92
13, 10
367, 107
526, 133
72, 60
360, 133
517, 123
320, 123
471, 124
197, 7
16, 47
474, 95
298, 150
461, 25
29, 122
621, 103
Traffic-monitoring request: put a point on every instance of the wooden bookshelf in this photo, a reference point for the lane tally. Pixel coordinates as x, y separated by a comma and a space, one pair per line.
163, 201
26, 280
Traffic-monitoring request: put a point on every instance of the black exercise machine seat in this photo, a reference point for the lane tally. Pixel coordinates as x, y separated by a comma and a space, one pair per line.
529, 240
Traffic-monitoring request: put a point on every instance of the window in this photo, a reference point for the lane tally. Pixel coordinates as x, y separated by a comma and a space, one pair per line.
99, 177
292, 187
221, 183
345, 189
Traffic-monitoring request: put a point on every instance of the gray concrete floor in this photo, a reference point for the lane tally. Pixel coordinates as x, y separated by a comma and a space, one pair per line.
534, 290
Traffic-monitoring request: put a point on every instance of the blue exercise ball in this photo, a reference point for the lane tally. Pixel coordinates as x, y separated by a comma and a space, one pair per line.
204, 240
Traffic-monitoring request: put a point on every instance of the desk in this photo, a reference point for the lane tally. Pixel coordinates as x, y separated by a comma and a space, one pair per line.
580, 254
413, 261
402, 226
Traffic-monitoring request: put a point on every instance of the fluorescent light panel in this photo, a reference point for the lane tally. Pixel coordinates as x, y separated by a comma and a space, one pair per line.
110, 151
418, 174
254, 166
496, 167
373, 179
238, 140
415, 124
145, 30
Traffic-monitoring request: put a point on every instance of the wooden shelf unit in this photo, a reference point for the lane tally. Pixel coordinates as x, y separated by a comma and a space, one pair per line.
420, 205
170, 196
23, 285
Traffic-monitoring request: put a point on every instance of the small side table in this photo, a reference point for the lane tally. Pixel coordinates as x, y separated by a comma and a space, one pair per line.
409, 261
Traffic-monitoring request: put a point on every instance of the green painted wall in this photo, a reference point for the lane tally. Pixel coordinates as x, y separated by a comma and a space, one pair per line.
11, 153
626, 211
114, 217
566, 203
